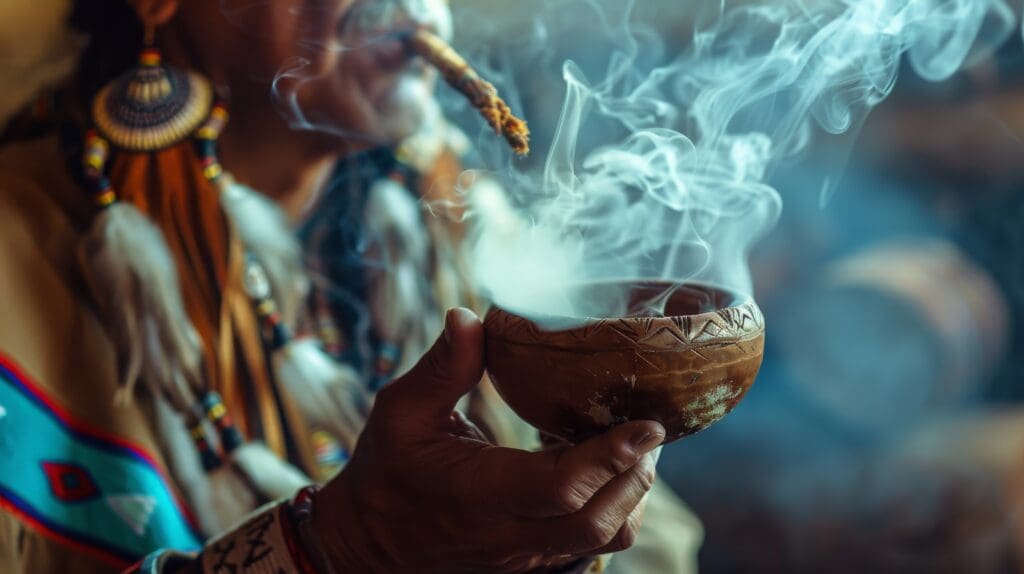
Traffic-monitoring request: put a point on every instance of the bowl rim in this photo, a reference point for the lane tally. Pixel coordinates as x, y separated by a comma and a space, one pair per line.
740, 321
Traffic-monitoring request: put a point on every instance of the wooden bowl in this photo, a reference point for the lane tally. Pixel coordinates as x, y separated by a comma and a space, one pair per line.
685, 369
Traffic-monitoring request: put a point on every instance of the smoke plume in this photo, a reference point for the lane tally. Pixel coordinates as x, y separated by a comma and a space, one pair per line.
683, 197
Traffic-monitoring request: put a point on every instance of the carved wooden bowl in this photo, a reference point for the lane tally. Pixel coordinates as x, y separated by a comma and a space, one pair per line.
685, 368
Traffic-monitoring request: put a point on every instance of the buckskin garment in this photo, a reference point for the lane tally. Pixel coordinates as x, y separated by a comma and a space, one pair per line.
90, 484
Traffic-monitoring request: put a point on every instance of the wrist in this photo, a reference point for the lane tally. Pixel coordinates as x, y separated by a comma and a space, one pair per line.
263, 543
336, 530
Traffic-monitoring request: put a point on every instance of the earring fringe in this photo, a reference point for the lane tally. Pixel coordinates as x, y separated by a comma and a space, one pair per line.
132, 274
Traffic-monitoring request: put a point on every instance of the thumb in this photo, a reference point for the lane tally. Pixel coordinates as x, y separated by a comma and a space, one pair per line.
453, 366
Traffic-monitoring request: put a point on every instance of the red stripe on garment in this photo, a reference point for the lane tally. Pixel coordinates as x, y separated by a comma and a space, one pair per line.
97, 553
30, 385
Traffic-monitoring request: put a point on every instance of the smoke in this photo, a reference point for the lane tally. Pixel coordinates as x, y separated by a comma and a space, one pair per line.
684, 196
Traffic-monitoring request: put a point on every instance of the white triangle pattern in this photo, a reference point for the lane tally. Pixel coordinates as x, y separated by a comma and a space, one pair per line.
134, 509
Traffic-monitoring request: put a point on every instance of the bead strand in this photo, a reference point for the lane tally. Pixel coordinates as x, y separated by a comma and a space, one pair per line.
210, 459
94, 164
217, 413
206, 141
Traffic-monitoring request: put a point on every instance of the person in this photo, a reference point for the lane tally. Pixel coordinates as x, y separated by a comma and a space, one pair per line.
183, 359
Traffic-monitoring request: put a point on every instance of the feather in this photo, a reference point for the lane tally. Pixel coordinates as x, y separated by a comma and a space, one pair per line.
265, 232
132, 275
272, 477
399, 301
224, 496
329, 394
220, 498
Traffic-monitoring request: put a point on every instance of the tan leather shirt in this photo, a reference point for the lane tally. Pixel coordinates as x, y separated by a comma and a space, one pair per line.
51, 337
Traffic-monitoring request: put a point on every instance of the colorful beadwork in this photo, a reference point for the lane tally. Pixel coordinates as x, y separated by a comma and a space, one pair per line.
94, 166
215, 124
106, 198
96, 152
210, 459
152, 106
328, 452
217, 413
206, 141
257, 287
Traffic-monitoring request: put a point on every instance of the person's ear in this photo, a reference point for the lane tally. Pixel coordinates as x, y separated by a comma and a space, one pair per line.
154, 13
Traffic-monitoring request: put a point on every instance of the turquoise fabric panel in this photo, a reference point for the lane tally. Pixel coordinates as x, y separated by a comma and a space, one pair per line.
80, 484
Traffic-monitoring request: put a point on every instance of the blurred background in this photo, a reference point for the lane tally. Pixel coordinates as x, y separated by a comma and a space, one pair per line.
886, 430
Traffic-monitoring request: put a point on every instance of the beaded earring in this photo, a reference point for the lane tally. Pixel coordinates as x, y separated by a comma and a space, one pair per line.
153, 105
150, 164
155, 132
125, 256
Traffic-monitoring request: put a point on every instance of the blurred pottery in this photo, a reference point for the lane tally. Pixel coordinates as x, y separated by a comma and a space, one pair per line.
895, 333
685, 368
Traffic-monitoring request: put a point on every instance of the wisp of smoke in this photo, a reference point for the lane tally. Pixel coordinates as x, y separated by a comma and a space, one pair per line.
685, 196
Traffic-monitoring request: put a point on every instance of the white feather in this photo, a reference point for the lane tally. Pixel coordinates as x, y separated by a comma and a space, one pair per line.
135, 283
220, 498
400, 248
265, 232
272, 477
329, 394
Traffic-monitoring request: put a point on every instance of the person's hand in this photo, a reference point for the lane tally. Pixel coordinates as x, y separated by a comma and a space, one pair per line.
424, 492
553, 443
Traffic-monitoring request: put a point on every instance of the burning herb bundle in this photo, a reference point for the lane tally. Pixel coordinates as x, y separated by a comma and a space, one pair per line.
480, 93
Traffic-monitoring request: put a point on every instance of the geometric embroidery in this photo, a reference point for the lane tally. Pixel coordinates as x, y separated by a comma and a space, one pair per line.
84, 486
70, 482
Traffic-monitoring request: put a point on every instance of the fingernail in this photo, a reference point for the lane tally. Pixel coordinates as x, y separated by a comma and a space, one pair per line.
639, 439
645, 440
